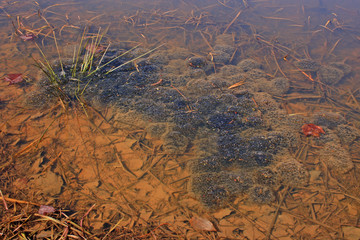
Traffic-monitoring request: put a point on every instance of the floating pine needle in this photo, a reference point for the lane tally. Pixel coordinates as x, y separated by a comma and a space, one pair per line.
231, 23
238, 84
312, 130
157, 83
13, 78
280, 18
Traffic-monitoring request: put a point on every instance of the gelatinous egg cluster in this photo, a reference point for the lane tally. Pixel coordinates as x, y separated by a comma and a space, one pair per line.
241, 136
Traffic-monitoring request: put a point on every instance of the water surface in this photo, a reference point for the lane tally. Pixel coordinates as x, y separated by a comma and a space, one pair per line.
143, 150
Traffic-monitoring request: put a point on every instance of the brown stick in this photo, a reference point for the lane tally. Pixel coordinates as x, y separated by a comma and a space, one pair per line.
52, 162
87, 213
277, 63
206, 41
333, 48
309, 219
257, 226
27, 147
122, 165
18, 201
272, 224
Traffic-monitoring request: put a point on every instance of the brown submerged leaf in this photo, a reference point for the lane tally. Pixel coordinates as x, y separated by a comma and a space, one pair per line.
202, 224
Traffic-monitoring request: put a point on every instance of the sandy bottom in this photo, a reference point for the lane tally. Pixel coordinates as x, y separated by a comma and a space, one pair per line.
103, 167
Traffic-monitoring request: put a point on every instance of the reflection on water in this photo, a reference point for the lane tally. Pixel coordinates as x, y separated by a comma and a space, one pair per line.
142, 116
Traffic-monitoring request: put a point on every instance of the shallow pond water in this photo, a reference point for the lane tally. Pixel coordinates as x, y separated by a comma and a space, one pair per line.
180, 119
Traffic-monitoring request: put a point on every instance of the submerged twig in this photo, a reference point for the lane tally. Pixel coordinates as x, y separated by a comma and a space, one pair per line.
5, 205
19, 201
122, 165
272, 224
87, 213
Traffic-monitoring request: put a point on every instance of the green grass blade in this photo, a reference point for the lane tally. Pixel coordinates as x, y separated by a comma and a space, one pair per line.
112, 60
97, 69
78, 53
134, 59
50, 71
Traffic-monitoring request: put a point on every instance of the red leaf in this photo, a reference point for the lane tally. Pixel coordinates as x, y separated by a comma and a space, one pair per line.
13, 78
312, 130
28, 36
202, 224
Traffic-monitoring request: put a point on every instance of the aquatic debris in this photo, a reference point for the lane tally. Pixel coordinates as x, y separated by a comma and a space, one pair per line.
28, 36
202, 224
13, 78
312, 130
46, 210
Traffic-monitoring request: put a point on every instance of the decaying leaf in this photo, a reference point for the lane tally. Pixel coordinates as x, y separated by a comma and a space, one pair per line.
13, 78
46, 210
28, 36
312, 130
202, 224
